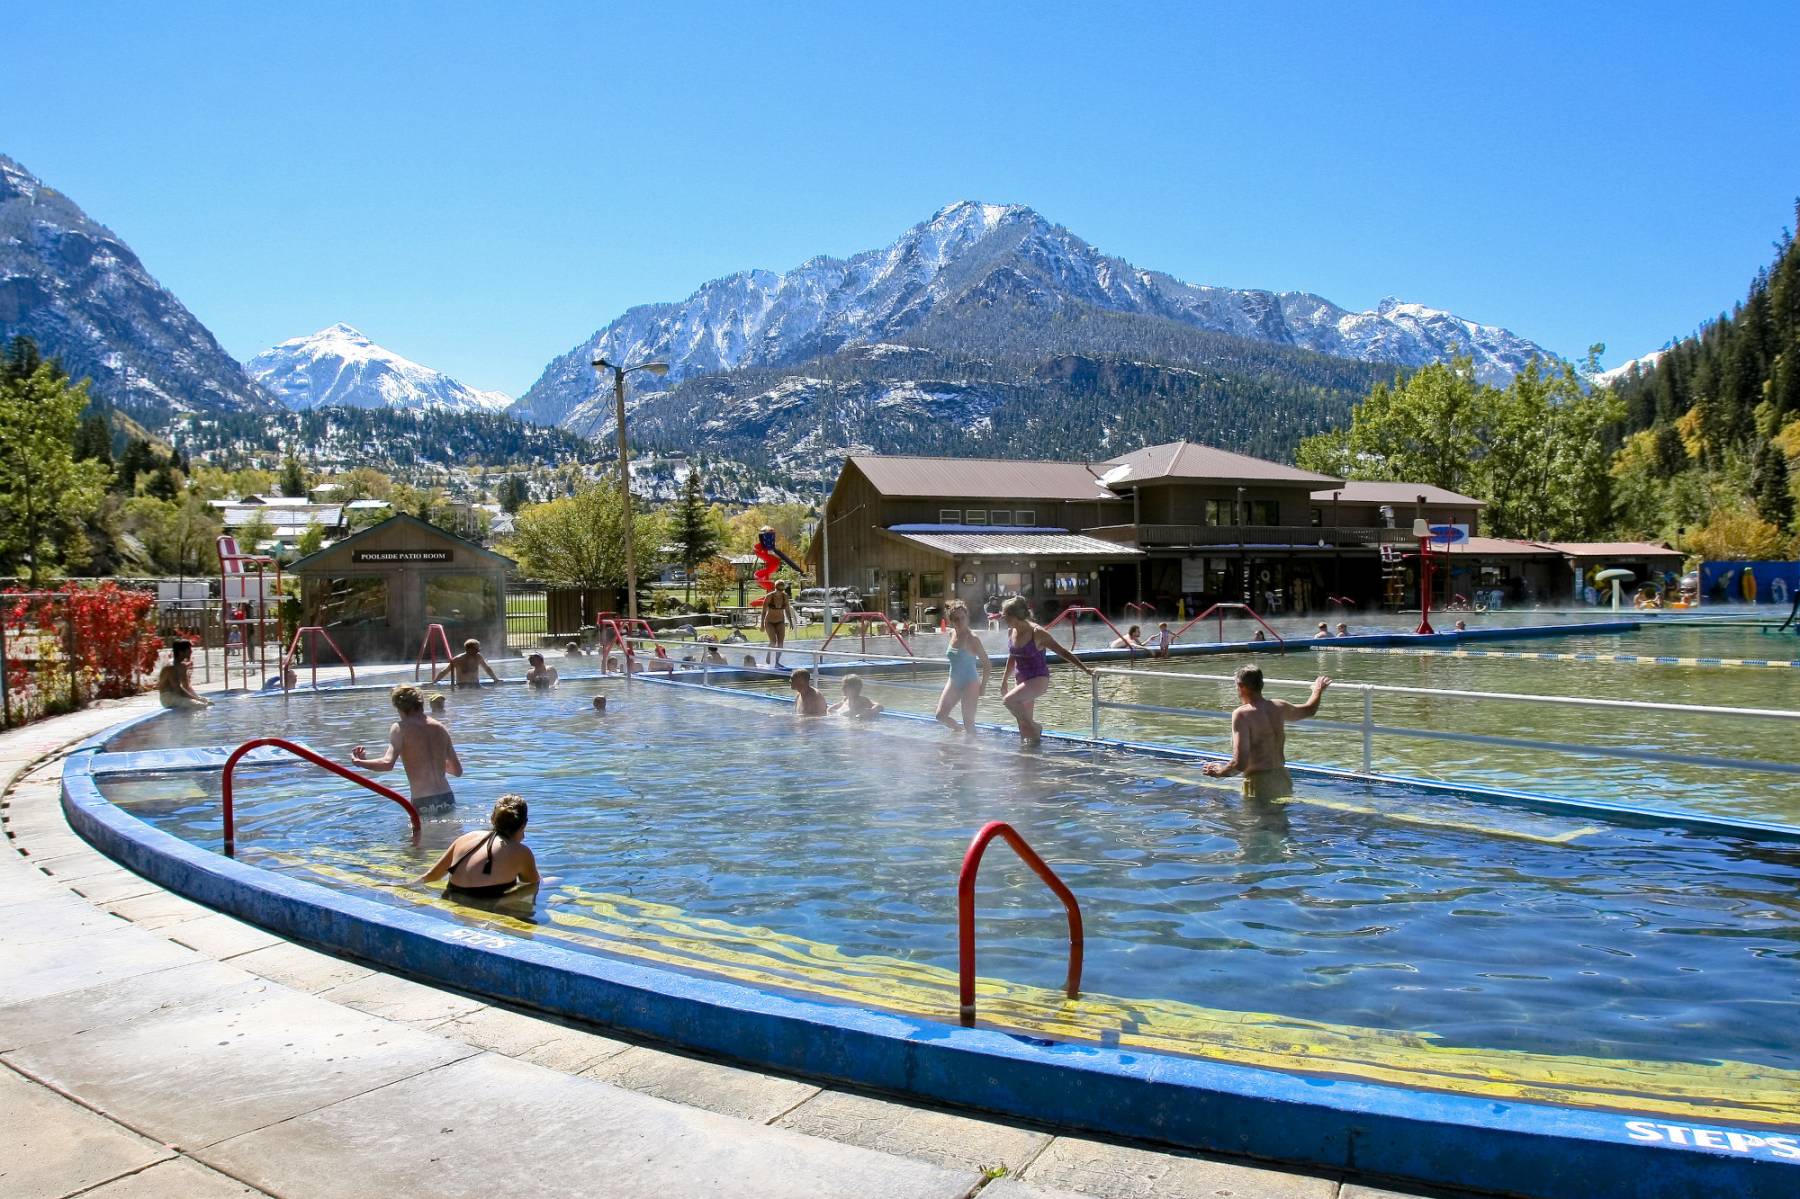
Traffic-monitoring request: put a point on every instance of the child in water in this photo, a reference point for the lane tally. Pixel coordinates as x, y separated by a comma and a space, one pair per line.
807, 699
538, 674
855, 704
437, 702
1164, 639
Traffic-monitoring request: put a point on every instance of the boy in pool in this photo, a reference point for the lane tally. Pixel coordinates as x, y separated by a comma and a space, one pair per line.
807, 699
1259, 736
855, 704
599, 705
437, 701
539, 675
1343, 630
1324, 630
422, 746
465, 669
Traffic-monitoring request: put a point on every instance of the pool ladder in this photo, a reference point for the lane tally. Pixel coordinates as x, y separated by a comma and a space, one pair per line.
965, 910
305, 754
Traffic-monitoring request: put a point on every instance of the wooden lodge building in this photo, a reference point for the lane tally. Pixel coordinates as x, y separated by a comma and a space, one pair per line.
1165, 524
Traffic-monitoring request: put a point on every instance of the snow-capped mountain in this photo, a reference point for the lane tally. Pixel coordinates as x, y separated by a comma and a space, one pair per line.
1620, 373
339, 366
972, 266
68, 283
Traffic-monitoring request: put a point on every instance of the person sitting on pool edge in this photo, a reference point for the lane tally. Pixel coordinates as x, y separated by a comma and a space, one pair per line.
1131, 638
1259, 736
422, 746
807, 699
465, 669
855, 704
491, 864
1343, 630
537, 674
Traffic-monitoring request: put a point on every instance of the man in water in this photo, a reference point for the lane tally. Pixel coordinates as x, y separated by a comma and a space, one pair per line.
537, 674
465, 669
422, 746
807, 699
1259, 736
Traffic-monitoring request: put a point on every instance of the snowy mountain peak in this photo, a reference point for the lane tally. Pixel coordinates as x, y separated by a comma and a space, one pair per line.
974, 264
338, 365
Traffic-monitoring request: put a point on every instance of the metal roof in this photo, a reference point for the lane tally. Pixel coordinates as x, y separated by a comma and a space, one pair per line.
1494, 547
1185, 460
1613, 549
979, 478
1019, 545
1370, 491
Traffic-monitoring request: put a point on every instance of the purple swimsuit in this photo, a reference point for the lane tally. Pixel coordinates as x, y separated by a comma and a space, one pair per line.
1028, 660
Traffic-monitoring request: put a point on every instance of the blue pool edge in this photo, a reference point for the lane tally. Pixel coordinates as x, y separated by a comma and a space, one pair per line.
1322, 1123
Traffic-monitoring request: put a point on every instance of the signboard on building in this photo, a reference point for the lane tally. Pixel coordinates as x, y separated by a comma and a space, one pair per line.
391, 556
1193, 575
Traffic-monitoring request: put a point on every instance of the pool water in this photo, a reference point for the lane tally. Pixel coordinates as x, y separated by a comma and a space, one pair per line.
1358, 930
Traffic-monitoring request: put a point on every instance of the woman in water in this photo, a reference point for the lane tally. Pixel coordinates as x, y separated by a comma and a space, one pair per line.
1026, 642
174, 682
488, 865
968, 670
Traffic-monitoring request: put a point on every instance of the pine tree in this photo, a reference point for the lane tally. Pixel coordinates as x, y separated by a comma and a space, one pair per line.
293, 479
93, 438
695, 538
1774, 501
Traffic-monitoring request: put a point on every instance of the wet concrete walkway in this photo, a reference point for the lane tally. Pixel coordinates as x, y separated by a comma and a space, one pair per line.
151, 1048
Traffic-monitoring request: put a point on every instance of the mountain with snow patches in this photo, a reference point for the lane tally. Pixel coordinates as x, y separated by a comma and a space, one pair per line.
68, 283
994, 280
338, 366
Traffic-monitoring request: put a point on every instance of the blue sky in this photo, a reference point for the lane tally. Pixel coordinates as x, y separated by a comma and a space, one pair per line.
480, 186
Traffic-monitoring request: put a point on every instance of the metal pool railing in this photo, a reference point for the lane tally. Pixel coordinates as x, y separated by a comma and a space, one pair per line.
965, 910
1370, 730
227, 793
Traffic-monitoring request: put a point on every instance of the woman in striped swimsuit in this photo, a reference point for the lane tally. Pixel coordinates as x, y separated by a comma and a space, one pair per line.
1026, 642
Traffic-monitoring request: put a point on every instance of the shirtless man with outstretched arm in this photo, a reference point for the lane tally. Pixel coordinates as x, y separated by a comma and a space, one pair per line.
422, 746
465, 669
1259, 736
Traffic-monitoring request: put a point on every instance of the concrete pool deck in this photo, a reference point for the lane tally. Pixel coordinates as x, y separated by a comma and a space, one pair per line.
152, 1047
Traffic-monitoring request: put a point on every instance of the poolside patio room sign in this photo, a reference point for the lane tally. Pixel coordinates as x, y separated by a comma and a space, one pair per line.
401, 556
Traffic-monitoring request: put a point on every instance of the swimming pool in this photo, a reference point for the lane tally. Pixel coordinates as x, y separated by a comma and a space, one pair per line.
1358, 932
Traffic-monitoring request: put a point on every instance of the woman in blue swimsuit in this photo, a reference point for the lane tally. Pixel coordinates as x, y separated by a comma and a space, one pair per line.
968, 670
1026, 642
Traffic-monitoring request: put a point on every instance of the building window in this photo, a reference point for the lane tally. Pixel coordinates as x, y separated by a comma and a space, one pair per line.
351, 601
461, 599
1318, 517
972, 517
1025, 518
931, 586
1001, 516
1219, 513
1263, 512
949, 516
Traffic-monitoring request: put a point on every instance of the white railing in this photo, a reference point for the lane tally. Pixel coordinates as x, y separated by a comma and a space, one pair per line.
1369, 729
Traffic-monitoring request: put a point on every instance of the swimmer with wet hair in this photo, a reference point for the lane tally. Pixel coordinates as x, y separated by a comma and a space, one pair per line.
807, 699
600, 705
421, 746
438, 702
1259, 736
465, 668
539, 675
855, 704
487, 865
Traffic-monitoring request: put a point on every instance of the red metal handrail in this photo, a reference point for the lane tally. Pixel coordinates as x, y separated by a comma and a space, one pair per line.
295, 647
1144, 610
622, 627
863, 619
305, 754
1071, 614
965, 910
443, 639
1221, 609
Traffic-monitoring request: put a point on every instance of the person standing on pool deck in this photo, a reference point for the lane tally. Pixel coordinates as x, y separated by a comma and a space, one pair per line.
1026, 642
422, 746
1259, 736
969, 668
465, 669
775, 611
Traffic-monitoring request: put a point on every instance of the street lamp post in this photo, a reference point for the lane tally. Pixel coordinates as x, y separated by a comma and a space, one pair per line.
619, 373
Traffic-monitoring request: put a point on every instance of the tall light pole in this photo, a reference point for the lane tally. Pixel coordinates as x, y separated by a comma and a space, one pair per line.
619, 373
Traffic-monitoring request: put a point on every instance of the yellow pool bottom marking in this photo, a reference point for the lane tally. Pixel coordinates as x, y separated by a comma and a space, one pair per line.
1519, 655
658, 934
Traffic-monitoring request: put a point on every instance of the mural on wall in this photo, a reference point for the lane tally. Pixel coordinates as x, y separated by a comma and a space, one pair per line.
1749, 582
